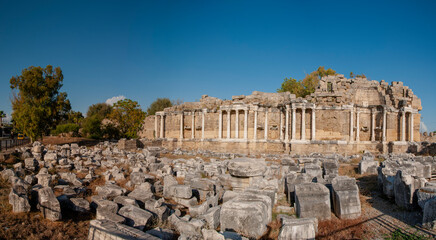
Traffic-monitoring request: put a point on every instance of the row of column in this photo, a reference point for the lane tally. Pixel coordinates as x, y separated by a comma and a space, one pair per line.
162, 122
293, 127
160, 132
373, 119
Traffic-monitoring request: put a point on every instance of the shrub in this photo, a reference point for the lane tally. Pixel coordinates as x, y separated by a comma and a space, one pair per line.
66, 128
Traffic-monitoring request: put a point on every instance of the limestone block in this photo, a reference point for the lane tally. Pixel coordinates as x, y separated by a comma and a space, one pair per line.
108, 230
246, 214
110, 190
161, 211
30, 164
330, 168
168, 182
312, 200
181, 191
293, 179
296, 229
136, 217
368, 167
346, 202
424, 194
125, 200
429, 214
313, 170
80, 205
164, 234
48, 204
187, 228
246, 167
19, 201
212, 217
404, 189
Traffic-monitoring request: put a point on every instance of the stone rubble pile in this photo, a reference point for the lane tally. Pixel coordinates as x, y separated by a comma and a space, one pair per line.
408, 180
144, 195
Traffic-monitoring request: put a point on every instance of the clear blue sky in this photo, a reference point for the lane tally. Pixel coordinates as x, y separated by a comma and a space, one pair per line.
183, 49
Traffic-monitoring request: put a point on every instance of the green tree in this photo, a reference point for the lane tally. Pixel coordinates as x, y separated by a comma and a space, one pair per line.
159, 105
92, 124
307, 85
293, 86
2, 115
127, 116
74, 117
38, 105
102, 110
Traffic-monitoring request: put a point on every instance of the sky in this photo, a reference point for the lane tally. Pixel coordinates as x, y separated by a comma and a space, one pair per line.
143, 50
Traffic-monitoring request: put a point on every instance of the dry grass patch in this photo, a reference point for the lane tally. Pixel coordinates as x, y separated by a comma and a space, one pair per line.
341, 229
348, 170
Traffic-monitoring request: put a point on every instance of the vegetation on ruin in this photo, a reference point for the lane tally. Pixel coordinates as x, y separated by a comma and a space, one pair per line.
159, 105
307, 85
352, 75
127, 116
37, 103
92, 124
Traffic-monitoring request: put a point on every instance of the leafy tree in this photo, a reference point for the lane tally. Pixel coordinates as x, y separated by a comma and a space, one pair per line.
2, 115
102, 110
128, 116
74, 117
92, 124
307, 85
38, 105
292, 85
92, 127
66, 128
159, 105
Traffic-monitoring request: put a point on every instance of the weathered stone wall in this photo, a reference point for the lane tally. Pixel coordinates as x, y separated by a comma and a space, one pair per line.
356, 112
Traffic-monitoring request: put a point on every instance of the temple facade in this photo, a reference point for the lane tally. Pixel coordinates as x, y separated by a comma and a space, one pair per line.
342, 115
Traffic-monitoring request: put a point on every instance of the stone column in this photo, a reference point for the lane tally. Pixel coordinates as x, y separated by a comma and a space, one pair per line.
303, 123
403, 126
181, 126
245, 124
237, 124
352, 125
162, 126
358, 126
220, 125
373, 124
203, 113
228, 124
313, 124
266, 124
384, 124
411, 127
155, 127
294, 119
255, 125
287, 124
193, 126
281, 125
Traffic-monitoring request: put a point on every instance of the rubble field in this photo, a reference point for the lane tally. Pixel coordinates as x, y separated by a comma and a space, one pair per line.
117, 190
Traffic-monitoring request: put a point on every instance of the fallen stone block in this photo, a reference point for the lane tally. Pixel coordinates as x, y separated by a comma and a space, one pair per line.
19, 201
346, 201
79, 205
212, 217
429, 214
108, 230
164, 234
296, 229
312, 200
246, 167
424, 194
48, 204
136, 217
368, 166
125, 200
247, 214
187, 228
110, 191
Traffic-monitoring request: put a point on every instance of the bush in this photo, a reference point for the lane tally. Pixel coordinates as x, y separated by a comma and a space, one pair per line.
66, 128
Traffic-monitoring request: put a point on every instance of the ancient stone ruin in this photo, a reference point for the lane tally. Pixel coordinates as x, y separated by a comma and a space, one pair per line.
343, 115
